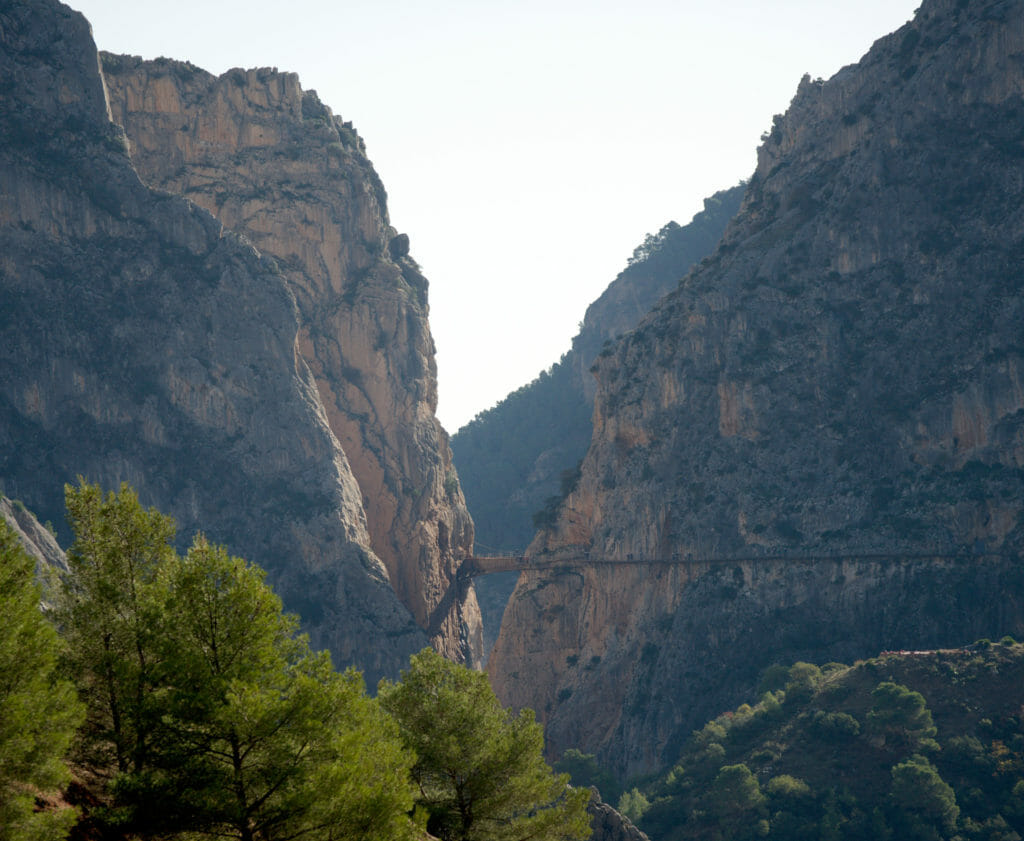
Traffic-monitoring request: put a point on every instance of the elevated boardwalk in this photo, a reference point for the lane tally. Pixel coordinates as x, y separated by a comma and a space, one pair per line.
477, 565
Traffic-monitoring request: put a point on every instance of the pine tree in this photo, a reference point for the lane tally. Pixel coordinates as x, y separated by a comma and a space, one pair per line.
208, 712
480, 770
111, 615
38, 710
282, 744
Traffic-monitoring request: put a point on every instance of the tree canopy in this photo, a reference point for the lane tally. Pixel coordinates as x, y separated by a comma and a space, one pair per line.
926, 802
204, 712
479, 769
900, 714
212, 710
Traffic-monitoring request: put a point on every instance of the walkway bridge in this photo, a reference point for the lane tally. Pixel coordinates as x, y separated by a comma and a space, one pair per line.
477, 565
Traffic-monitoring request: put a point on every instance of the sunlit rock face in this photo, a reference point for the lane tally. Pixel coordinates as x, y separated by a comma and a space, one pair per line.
841, 379
272, 162
35, 538
608, 825
145, 342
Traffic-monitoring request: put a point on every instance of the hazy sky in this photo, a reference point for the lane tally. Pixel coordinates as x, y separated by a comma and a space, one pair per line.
526, 147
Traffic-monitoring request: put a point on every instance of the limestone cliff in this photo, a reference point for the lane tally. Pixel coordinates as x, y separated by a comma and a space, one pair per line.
655, 269
145, 342
843, 377
272, 162
626, 662
511, 456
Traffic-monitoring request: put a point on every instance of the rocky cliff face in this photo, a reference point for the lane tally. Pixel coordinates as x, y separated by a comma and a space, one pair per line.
841, 378
512, 455
628, 662
272, 162
145, 342
515, 458
37, 540
656, 268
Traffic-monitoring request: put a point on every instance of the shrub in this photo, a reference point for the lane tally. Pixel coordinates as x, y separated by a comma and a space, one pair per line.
786, 786
900, 715
838, 727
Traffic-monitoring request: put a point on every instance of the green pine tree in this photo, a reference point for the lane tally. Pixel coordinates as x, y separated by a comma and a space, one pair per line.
111, 616
208, 712
480, 770
285, 747
925, 804
38, 710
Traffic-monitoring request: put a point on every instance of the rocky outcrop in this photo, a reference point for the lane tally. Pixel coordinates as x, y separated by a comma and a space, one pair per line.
272, 162
145, 342
841, 379
37, 540
607, 824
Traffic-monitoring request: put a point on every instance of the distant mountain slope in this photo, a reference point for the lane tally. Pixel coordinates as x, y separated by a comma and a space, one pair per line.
917, 744
843, 378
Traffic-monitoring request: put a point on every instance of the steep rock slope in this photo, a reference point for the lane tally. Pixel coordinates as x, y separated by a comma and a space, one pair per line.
656, 267
608, 825
626, 662
142, 342
36, 538
272, 162
842, 378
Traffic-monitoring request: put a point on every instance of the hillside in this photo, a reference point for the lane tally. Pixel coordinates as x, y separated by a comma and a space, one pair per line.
839, 385
917, 744
235, 388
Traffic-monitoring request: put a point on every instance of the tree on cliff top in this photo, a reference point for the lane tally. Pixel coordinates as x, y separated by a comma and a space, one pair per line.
480, 770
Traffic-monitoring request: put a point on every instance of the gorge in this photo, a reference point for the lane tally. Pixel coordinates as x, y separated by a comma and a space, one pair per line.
796, 424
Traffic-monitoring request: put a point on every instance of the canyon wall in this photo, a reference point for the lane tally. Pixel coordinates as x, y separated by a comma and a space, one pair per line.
511, 456
840, 379
270, 161
145, 342
628, 661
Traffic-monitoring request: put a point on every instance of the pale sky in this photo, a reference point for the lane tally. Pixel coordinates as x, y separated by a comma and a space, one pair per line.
526, 147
